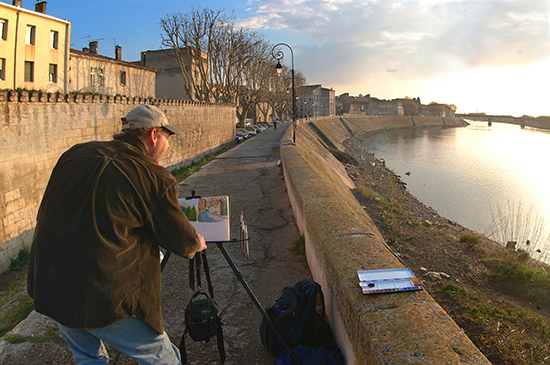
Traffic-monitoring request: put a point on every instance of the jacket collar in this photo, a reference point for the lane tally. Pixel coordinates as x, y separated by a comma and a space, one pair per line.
136, 142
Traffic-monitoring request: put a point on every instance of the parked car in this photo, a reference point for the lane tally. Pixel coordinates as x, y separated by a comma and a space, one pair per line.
252, 129
259, 127
246, 132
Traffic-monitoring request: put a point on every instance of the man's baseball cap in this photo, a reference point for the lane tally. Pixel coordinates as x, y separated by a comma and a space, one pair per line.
147, 116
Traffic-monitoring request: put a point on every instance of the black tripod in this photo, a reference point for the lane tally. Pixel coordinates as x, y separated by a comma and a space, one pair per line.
244, 244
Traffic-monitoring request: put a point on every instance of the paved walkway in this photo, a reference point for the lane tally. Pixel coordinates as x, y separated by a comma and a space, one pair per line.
250, 175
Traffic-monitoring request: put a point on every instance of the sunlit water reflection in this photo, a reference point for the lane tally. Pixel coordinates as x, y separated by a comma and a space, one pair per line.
491, 179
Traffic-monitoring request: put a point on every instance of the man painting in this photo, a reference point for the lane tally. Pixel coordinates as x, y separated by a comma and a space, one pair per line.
94, 264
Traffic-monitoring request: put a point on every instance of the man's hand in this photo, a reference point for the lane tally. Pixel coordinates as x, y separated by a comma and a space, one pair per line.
202, 242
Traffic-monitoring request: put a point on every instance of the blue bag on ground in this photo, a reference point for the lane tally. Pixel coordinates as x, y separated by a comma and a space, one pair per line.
299, 316
309, 356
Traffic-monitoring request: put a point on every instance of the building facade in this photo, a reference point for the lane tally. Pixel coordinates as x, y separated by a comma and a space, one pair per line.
34, 49
385, 107
315, 101
91, 72
170, 82
367, 105
35, 54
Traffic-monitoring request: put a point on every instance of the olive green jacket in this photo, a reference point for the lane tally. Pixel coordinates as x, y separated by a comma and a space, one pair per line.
95, 255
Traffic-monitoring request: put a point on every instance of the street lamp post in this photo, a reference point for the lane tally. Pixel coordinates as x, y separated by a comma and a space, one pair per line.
279, 56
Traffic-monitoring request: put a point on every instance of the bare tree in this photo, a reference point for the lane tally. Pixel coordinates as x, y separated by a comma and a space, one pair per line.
254, 80
190, 37
211, 51
280, 96
222, 63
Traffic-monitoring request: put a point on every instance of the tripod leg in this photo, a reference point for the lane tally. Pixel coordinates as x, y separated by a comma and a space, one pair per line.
256, 302
165, 260
183, 353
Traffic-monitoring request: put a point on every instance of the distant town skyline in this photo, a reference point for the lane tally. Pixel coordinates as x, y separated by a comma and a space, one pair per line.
489, 56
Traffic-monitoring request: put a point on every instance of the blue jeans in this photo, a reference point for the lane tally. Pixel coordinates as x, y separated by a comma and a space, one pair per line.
131, 336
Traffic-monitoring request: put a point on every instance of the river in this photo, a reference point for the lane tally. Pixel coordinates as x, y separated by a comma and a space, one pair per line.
490, 179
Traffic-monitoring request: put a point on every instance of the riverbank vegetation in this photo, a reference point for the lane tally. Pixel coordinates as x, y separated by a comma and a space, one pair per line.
498, 295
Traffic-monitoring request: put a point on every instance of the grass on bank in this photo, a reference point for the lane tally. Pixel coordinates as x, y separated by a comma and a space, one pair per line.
299, 245
470, 240
186, 171
385, 201
527, 333
16, 305
20, 261
532, 281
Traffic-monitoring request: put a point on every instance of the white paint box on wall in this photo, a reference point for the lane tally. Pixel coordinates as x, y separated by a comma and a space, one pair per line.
388, 281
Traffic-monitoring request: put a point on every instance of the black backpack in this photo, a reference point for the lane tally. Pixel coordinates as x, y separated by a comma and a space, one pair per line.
299, 316
201, 314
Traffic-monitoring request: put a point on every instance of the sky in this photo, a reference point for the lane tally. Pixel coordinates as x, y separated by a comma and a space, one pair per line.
483, 56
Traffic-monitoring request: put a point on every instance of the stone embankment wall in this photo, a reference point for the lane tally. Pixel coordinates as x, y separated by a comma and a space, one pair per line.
400, 328
37, 128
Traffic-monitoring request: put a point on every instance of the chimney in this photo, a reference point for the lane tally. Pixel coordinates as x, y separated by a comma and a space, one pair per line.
40, 7
17, 3
118, 53
93, 47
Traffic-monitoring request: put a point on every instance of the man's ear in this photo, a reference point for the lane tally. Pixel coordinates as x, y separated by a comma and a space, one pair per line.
152, 137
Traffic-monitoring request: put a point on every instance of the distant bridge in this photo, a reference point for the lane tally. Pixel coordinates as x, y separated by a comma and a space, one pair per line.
521, 121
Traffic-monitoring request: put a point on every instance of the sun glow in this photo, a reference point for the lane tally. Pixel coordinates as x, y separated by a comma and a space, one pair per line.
496, 90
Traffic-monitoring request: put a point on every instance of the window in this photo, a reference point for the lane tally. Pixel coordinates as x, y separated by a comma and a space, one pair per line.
31, 34
2, 69
97, 76
123, 78
29, 71
53, 73
54, 39
3, 29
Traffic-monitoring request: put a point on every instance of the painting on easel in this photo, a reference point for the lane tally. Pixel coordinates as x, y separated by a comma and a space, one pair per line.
209, 216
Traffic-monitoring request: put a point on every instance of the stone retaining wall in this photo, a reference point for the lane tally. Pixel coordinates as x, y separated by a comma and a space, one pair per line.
401, 328
37, 128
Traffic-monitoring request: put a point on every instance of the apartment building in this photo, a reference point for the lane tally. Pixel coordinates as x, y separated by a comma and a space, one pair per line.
367, 105
315, 101
34, 48
35, 54
385, 107
170, 82
354, 105
90, 72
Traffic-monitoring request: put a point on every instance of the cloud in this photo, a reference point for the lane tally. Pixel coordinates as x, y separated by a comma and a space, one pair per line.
397, 48
424, 37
